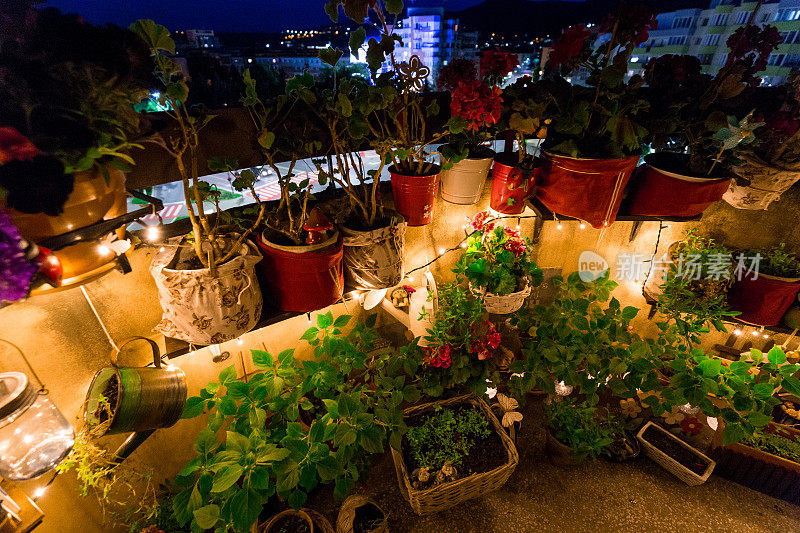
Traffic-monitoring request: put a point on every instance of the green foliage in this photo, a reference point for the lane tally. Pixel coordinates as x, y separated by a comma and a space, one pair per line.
777, 262
498, 260
292, 425
774, 444
579, 426
447, 435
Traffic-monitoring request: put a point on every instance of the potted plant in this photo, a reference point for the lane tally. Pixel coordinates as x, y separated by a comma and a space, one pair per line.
574, 432
498, 264
294, 520
350, 395
687, 464
475, 106
207, 290
66, 98
524, 117
763, 297
596, 137
302, 250
360, 514
772, 163
399, 124
455, 450
690, 114
373, 234
768, 461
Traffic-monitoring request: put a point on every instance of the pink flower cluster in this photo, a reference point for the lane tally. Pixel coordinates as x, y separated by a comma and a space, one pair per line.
482, 222
484, 346
515, 244
438, 357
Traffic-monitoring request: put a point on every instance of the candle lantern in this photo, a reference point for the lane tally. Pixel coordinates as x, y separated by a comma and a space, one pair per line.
34, 435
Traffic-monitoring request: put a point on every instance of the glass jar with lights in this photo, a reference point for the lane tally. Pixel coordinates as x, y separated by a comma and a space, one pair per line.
34, 435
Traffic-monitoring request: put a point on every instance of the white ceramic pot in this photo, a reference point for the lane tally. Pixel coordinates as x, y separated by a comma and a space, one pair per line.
463, 182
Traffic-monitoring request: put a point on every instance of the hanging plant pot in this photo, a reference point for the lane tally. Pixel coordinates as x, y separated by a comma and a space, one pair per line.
463, 182
664, 187
586, 189
203, 309
91, 200
763, 301
302, 278
767, 184
503, 304
375, 259
674, 455
124, 399
289, 520
510, 187
360, 514
415, 196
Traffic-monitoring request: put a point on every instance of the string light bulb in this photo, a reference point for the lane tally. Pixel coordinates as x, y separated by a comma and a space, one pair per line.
410, 279
737, 332
583, 226
559, 227
153, 233
239, 341
442, 251
39, 492
103, 249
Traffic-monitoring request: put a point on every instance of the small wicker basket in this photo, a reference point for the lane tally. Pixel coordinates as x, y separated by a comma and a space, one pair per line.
670, 464
452, 493
347, 514
505, 304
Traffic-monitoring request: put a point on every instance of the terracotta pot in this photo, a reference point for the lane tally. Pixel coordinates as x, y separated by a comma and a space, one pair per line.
655, 191
509, 187
763, 301
559, 453
375, 259
415, 196
91, 200
767, 183
586, 189
463, 183
302, 278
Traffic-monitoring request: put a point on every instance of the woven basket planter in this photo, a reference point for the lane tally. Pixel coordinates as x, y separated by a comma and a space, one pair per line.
347, 514
270, 526
670, 464
505, 304
452, 493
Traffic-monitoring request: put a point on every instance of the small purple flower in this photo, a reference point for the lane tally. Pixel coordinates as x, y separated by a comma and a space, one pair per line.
16, 271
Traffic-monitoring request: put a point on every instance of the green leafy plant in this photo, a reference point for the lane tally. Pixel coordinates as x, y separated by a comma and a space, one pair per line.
497, 259
775, 444
293, 425
447, 435
211, 246
777, 262
579, 426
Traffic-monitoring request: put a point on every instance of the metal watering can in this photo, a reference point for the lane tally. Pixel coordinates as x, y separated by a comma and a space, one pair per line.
139, 399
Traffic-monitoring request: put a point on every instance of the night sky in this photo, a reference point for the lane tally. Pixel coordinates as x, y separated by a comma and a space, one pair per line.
218, 15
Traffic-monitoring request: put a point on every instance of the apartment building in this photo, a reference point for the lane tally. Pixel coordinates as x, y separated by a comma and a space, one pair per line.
704, 33
427, 33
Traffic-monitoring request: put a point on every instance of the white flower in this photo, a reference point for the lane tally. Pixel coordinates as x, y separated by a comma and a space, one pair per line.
672, 417
630, 407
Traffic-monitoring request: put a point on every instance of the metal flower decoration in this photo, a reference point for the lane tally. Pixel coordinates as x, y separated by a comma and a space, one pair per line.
414, 73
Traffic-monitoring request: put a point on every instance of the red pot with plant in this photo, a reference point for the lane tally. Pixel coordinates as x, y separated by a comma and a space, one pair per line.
511, 185
665, 187
764, 298
414, 195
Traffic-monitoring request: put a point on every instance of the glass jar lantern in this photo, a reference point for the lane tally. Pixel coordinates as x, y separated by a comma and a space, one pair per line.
34, 435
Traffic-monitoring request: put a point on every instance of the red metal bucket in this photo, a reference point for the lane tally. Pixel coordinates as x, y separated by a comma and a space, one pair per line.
415, 196
658, 192
306, 281
587, 189
763, 301
509, 187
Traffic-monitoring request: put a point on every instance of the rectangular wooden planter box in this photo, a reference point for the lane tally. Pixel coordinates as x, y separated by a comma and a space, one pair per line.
670, 464
452, 493
760, 470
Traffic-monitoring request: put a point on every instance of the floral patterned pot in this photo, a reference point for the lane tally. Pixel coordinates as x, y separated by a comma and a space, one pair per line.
203, 309
767, 183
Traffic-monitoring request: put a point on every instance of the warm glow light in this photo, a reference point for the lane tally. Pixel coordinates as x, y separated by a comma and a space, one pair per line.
442, 251
103, 249
161, 249
463, 245
153, 233
239, 341
559, 227
38, 493
583, 226
410, 279
737, 332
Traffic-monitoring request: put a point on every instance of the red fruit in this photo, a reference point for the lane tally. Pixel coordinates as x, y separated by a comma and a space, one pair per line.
50, 266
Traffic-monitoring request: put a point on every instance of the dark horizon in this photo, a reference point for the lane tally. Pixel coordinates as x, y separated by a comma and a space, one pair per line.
244, 16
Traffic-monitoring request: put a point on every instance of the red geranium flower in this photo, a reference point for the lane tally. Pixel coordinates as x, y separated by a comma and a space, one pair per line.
753, 45
456, 71
481, 222
15, 146
633, 23
497, 64
569, 45
438, 357
478, 104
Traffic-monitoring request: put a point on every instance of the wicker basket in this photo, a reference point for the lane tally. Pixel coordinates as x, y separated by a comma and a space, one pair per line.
670, 464
452, 493
505, 304
268, 527
347, 514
